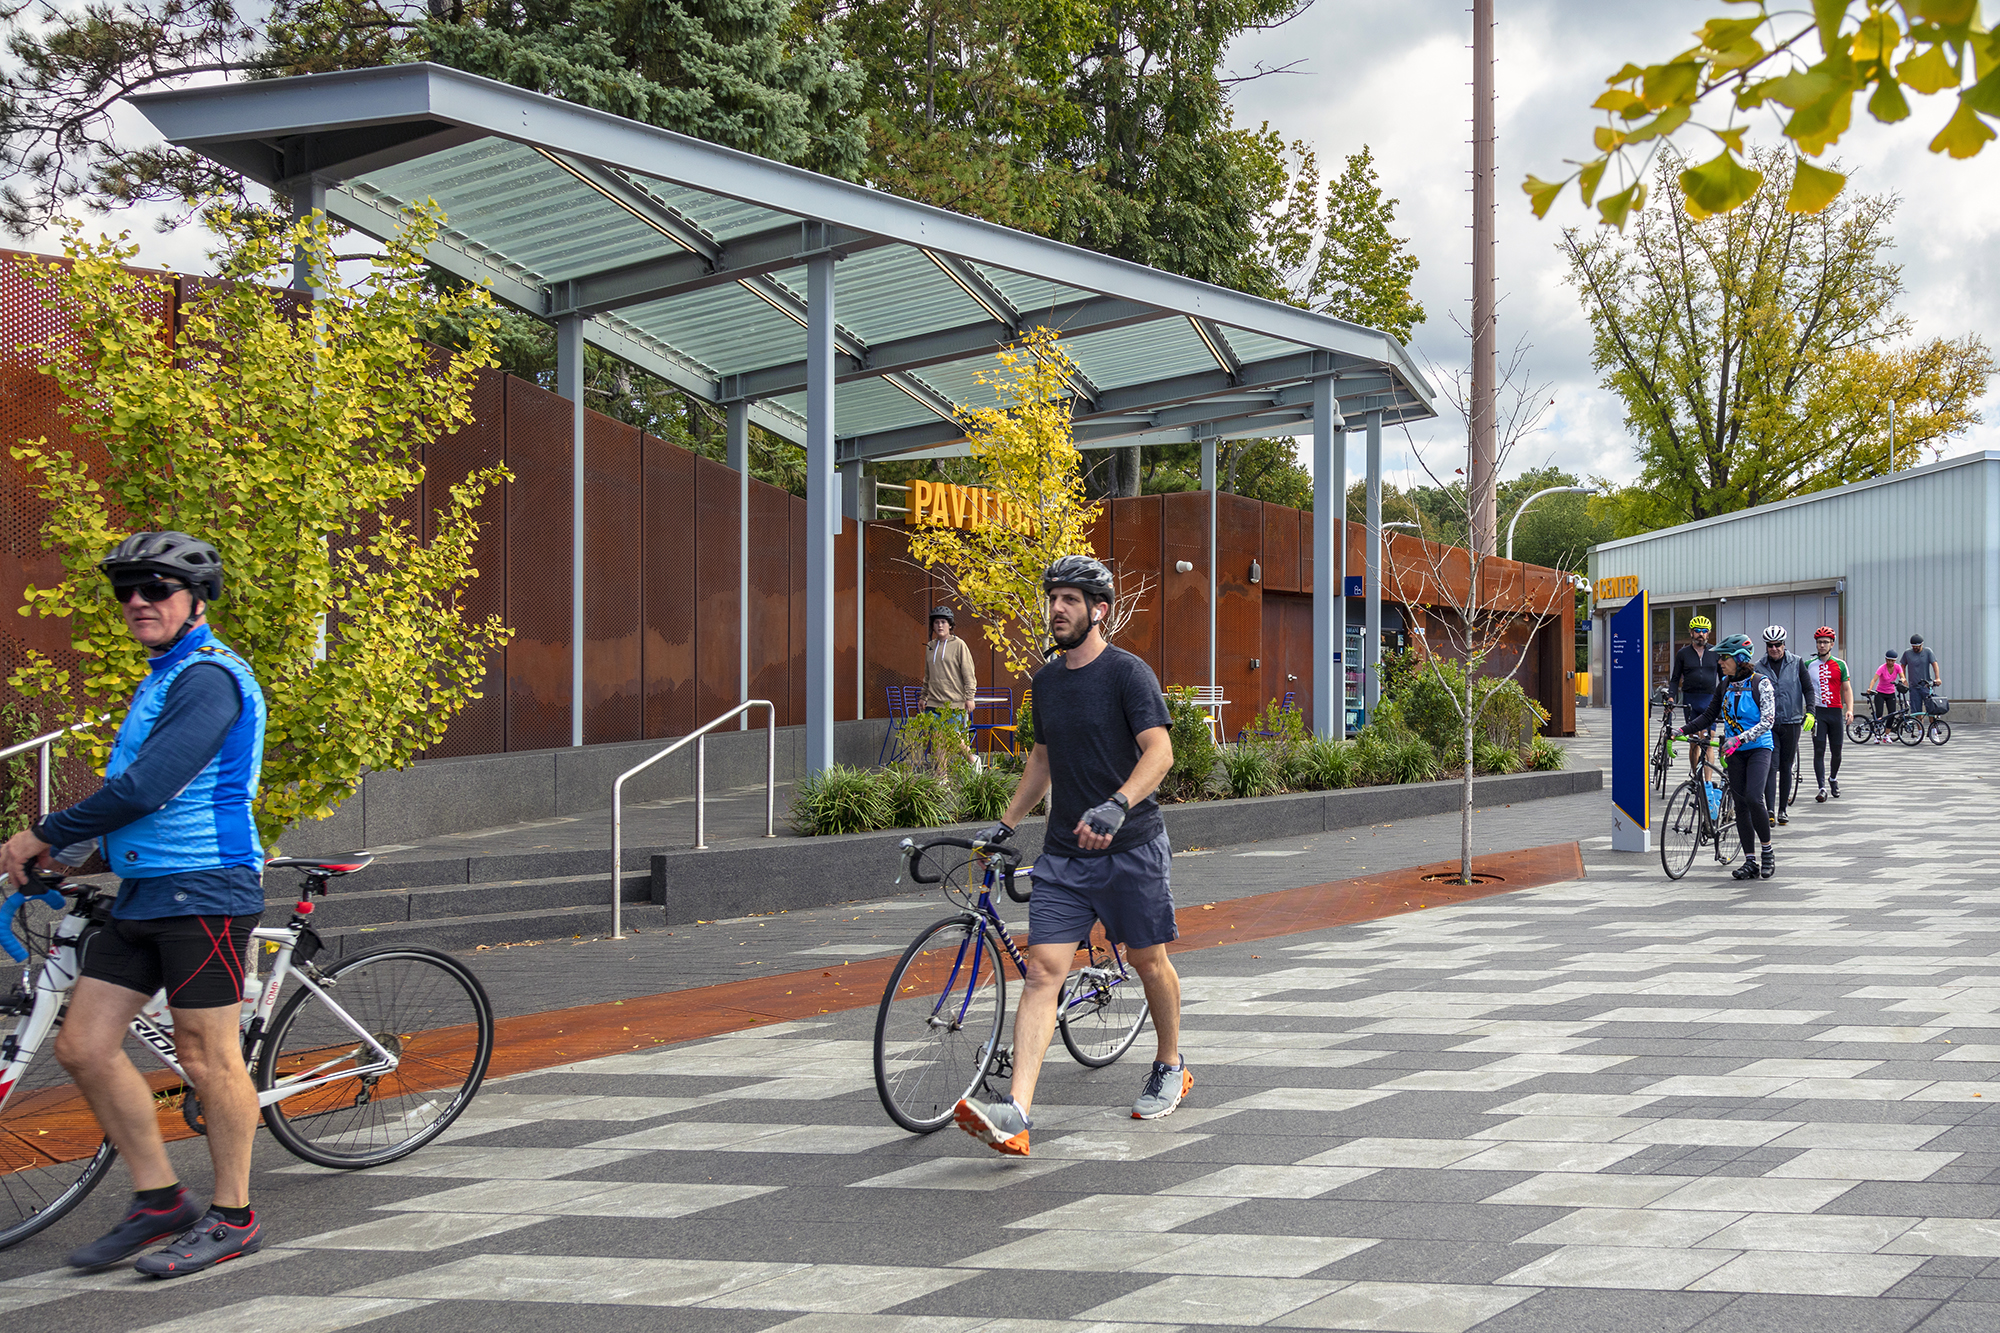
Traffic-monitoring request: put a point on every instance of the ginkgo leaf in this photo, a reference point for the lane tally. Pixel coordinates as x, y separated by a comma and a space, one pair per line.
1947, 13
1732, 137
1813, 188
1615, 209
1663, 85
1888, 105
1718, 185
1929, 71
1587, 179
1541, 194
1963, 135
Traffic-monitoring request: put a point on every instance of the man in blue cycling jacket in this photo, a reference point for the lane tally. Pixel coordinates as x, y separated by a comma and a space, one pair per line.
175, 819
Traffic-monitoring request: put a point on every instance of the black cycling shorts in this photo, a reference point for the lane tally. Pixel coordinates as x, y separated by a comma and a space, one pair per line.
198, 960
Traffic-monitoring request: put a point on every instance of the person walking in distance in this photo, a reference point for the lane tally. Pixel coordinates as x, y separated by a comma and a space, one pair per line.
1887, 677
1101, 748
174, 813
1920, 673
1830, 693
1789, 684
950, 680
1693, 678
1747, 707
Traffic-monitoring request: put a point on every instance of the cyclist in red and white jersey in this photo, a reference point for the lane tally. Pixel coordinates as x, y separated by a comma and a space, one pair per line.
1831, 687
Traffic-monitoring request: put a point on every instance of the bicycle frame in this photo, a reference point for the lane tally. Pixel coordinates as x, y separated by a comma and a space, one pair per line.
58, 977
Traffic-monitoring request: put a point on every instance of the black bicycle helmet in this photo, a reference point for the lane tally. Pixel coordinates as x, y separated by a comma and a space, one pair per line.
945, 614
1916, 641
1084, 573
174, 555
1889, 656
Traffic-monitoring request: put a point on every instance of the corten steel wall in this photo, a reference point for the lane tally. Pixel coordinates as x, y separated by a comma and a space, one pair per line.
481, 728
717, 615
538, 568
613, 593
670, 557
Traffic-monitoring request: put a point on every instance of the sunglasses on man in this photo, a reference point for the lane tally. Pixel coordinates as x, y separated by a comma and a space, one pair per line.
153, 590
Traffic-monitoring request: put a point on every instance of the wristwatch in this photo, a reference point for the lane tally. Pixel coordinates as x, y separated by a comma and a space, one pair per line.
1123, 804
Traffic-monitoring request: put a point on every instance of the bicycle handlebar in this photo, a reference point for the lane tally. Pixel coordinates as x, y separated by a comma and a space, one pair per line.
12, 908
1008, 857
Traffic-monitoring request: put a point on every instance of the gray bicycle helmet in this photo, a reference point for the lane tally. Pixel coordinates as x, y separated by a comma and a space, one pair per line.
1774, 634
173, 555
945, 614
1084, 573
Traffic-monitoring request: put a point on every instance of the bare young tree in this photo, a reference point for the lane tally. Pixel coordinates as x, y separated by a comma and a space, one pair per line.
1489, 598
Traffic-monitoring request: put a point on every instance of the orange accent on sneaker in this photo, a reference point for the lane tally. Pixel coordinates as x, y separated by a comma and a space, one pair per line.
967, 1117
1187, 1086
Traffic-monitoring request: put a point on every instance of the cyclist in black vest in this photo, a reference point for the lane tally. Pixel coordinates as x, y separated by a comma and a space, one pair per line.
1793, 687
1694, 679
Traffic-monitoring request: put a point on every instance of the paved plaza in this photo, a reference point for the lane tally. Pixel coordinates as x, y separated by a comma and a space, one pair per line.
1613, 1103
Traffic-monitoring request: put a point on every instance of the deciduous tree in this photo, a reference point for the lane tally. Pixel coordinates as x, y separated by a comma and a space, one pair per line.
285, 437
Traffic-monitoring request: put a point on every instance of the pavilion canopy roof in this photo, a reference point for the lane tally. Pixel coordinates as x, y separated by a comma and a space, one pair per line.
688, 259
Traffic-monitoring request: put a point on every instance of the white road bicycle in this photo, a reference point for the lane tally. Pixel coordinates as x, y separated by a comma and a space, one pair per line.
356, 1063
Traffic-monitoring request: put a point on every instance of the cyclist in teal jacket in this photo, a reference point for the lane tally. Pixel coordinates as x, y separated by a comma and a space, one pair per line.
175, 818
1748, 708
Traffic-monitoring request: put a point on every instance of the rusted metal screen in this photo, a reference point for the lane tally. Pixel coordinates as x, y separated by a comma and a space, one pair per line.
770, 598
846, 544
612, 589
1239, 621
1184, 599
718, 622
898, 602
1281, 548
538, 567
1135, 545
481, 726
668, 555
795, 610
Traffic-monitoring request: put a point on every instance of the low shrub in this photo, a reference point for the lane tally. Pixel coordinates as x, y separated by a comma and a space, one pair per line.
1412, 760
1319, 764
840, 799
917, 798
934, 742
1545, 756
983, 795
1194, 748
1488, 757
1250, 769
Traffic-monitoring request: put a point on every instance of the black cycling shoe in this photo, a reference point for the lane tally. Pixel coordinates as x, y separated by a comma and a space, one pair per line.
1784, 818
1770, 867
1834, 786
1748, 870
211, 1241
143, 1227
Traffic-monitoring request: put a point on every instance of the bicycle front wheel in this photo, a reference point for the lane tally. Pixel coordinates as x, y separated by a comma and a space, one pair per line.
52, 1153
1910, 731
938, 1029
1101, 1009
1681, 829
425, 1008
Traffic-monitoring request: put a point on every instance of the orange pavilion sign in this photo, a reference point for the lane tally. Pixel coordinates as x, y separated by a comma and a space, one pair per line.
942, 504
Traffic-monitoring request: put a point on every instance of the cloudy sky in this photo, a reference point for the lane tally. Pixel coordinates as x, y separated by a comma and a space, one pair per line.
1395, 75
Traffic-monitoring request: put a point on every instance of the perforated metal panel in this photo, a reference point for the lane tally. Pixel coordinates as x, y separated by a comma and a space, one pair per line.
771, 598
668, 594
481, 726
611, 585
1239, 623
718, 619
1281, 548
846, 545
898, 603
795, 609
538, 568
1184, 599
1135, 545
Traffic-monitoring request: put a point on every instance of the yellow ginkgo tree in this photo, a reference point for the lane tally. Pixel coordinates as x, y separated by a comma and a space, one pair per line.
1039, 511
1806, 67
285, 433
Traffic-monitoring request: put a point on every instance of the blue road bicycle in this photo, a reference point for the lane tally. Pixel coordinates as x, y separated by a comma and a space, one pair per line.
938, 1033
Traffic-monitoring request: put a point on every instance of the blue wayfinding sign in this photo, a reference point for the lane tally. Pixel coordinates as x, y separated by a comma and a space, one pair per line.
1629, 657
1354, 588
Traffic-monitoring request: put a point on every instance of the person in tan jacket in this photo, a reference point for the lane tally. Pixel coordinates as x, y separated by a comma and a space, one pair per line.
949, 679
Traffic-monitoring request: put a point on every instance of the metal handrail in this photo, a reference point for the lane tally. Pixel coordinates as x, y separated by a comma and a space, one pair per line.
45, 743
700, 737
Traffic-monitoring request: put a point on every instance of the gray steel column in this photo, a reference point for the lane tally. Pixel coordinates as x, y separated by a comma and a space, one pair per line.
738, 435
1329, 599
1371, 635
1208, 484
569, 383
820, 513
308, 197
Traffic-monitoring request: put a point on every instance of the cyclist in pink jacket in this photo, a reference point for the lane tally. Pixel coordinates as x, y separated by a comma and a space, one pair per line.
1887, 677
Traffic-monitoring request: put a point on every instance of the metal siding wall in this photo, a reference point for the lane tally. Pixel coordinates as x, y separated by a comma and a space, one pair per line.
1135, 545
1239, 620
898, 593
1281, 548
538, 566
613, 592
717, 621
1914, 551
481, 726
1184, 597
669, 597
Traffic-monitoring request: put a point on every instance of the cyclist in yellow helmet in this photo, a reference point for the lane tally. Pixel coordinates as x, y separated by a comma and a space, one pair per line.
1694, 679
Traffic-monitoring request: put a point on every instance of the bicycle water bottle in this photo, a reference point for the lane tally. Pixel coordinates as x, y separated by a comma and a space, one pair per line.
1714, 800
156, 1012
59, 973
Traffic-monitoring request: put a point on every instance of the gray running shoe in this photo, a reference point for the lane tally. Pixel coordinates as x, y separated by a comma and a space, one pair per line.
211, 1241
142, 1228
1165, 1086
1001, 1126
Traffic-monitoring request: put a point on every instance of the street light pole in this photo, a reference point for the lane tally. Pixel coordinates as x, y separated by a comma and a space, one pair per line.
1892, 436
1553, 490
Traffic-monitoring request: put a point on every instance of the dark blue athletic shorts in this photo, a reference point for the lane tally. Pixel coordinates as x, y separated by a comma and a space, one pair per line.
1130, 891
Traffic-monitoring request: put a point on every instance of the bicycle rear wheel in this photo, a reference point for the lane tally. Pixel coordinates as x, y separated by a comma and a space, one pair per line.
1101, 1009
425, 1008
1681, 829
1939, 731
938, 1028
1861, 730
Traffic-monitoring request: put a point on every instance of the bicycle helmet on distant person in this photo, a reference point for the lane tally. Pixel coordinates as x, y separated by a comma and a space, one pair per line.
1774, 634
1825, 632
1916, 641
1084, 573
1736, 646
1699, 623
944, 613
173, 555
1889, 656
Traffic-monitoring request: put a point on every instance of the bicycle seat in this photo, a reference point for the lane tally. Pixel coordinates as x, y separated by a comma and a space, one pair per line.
322, 868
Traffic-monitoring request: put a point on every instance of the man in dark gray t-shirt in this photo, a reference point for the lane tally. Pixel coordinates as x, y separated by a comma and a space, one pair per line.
1101, 748
1920, 670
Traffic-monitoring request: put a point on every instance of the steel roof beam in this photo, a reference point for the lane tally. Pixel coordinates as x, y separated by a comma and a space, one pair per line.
748, 256
649, 210
930, 349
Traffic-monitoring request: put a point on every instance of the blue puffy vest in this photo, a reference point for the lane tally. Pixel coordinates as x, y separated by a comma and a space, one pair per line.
1740, 712
207, 825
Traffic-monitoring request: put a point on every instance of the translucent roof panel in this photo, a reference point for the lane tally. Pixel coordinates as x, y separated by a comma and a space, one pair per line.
690, 260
